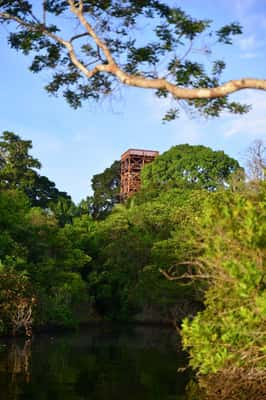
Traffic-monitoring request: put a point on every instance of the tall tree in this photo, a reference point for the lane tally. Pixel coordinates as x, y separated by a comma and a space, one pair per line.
100, 43
256, 161
18, 167
106, 190
18, 170
190, 167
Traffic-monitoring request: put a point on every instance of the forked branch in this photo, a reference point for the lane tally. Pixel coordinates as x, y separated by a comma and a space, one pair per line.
110, 66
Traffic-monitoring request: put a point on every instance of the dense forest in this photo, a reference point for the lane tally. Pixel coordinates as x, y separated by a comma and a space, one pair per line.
187, 250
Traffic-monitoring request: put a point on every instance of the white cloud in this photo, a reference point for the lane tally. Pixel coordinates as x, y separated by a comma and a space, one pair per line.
250, 13
194, 131
251, 43
184, 129
248, 43
251, 46
252, 124
249, 55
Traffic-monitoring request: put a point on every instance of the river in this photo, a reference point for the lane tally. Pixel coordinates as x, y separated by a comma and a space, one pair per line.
96, 363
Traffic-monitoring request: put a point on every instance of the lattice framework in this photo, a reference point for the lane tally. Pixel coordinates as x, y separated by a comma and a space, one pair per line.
132, 161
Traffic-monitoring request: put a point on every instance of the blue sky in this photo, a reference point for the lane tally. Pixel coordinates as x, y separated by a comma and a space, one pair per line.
73, 145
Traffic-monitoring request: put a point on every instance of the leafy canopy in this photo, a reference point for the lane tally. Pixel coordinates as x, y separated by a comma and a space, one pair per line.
18, 170
231, 330
191, 167
106, 191
92, 46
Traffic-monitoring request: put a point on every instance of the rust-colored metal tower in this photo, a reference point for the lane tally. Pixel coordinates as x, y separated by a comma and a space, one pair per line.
131, 163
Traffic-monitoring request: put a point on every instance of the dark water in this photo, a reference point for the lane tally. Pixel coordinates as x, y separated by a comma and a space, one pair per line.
103, 363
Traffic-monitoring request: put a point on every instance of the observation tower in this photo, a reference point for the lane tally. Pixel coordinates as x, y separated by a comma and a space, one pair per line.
132, 161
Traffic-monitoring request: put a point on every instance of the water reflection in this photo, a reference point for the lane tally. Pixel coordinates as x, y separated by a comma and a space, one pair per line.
15, 368
19, 360
96, 364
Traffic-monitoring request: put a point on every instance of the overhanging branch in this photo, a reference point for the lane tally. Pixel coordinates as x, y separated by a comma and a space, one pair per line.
111, 67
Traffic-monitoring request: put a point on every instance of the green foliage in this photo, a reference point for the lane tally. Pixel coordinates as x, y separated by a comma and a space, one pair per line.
13, 208
63, 208
232, 328
133, 244
106, 191
55, 264
33, 245
195, 222
169, 31
38, 243
18, 171
17, 166
190, 167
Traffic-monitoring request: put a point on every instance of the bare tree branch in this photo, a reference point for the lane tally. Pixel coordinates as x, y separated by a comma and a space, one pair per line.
81, 35
184, 276
202, 276
43, 12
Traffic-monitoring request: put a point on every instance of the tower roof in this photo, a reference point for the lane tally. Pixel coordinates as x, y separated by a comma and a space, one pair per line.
139, 152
